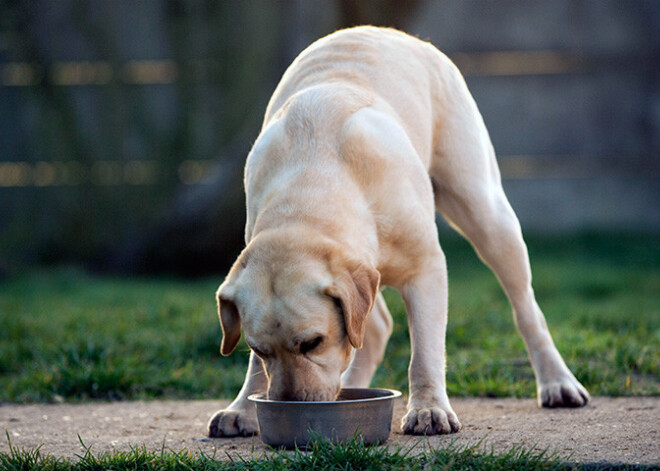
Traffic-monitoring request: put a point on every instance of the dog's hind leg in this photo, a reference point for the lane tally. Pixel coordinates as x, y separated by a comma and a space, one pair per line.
469, 194
369, 357
493, 230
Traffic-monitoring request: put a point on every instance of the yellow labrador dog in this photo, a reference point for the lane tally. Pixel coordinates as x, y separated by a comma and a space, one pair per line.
368, 133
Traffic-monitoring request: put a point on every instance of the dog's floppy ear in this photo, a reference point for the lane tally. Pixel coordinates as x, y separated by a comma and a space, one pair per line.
355, 288
230, 321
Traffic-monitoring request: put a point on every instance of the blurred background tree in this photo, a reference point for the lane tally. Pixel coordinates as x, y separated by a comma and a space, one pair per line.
124, 124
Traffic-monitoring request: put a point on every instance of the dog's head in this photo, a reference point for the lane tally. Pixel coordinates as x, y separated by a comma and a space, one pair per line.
302, 303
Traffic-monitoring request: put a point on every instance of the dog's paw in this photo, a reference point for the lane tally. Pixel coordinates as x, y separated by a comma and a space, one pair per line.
567, 392
430, 421
233, 423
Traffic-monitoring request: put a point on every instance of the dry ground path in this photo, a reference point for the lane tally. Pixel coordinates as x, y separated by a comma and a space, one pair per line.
609, 430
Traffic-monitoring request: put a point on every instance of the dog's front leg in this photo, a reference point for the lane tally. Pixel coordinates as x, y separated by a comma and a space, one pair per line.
429, 411
240, 418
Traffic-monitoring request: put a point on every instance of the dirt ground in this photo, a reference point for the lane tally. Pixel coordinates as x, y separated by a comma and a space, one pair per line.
609, 430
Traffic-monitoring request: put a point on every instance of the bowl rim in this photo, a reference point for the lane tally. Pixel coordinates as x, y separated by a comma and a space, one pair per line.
393, 394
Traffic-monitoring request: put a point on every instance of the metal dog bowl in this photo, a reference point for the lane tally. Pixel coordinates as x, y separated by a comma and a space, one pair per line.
295, 423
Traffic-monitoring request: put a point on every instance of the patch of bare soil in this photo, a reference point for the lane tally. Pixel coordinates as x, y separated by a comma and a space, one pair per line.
608, 430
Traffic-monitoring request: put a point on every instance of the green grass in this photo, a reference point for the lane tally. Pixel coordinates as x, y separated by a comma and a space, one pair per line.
67, 335
323, 456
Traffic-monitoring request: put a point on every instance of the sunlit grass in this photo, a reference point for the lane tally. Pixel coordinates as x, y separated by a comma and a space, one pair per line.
321, 456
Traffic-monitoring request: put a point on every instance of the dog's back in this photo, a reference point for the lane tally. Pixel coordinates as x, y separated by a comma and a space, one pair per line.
410, 75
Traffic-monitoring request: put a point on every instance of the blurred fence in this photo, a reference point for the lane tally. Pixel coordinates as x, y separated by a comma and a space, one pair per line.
570, 93
116, 114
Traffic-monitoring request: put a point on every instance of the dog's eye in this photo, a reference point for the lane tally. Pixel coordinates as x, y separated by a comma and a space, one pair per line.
309, 345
